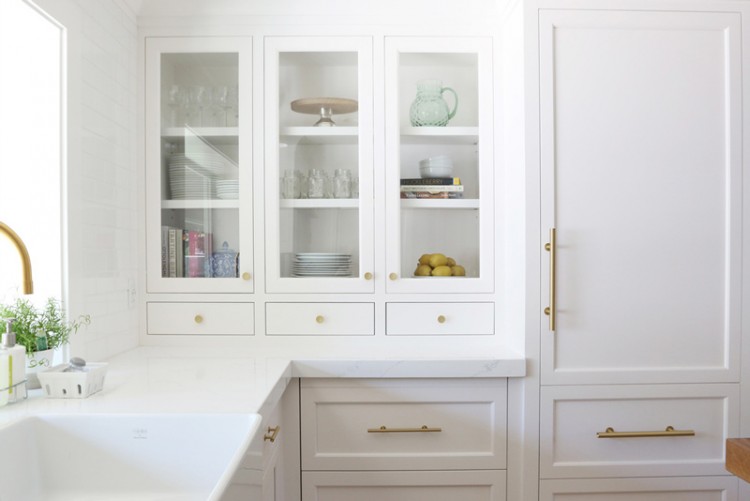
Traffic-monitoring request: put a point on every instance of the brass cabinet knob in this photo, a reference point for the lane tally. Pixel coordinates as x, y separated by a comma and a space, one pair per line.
198, 319
246, 276
319, 319
441, 319
271, 434
393, 276
368, 276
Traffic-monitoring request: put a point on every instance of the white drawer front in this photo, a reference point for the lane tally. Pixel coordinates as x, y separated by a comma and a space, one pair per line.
323, 319
404, 486
201, 318
404, 319
341, 424
640, 489
571, 418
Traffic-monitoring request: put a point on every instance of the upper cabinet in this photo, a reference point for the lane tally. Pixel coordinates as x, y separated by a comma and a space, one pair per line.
319, 164
641, 160
439, 165
198, 165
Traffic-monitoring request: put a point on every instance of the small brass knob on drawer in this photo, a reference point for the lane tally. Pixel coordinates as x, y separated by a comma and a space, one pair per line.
393, 276
319, 319
198, 319
246, 276
441, 319
368, 276
271, 434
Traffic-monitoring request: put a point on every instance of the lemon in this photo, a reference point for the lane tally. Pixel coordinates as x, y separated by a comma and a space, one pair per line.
424, 259
451, 262
438, 260
423, 270
441, 271
458, 271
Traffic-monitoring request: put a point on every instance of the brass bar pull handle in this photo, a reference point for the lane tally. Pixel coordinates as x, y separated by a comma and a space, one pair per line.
423, 429
669, 431
271, 434
550, 247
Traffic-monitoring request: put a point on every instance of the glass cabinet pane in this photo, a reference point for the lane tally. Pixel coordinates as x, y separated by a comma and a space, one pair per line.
439, 164
320, 216
200, 224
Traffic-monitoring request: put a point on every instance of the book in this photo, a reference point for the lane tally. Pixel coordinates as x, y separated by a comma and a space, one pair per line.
195, 255
427, 194
432, 188
165, 251
171, 252
443, 181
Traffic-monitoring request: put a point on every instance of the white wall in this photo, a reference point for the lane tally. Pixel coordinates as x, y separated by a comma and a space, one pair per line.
102, 215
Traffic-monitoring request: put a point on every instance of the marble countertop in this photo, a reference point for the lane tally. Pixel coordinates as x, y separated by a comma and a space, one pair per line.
153, 379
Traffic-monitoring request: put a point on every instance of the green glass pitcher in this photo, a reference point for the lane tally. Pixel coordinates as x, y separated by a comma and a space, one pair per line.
429, 109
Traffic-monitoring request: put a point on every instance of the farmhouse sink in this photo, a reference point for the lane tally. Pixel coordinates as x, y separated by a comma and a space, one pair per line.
122, 456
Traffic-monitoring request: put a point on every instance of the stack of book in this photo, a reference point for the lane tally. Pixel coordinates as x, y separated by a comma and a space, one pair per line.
432, 187
185, 253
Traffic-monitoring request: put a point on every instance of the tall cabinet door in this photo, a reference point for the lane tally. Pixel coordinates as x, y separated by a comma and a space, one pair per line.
641, 196
199, 233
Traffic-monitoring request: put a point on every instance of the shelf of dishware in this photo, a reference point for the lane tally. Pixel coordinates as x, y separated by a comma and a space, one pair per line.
217, 135
439, 135
200, 204
472, 204
319, 135
320, 203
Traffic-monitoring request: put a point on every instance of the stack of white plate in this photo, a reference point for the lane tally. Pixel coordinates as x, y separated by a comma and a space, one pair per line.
208, 162
186, 183
322, 264
228, 189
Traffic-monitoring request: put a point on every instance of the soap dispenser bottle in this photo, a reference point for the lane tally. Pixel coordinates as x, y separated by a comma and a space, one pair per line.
5, 376
16, 363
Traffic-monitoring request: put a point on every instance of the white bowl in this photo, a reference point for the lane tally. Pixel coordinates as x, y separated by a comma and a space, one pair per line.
436, 171
436, 161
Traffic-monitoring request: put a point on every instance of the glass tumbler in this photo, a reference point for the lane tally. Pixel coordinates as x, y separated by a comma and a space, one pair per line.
342, 184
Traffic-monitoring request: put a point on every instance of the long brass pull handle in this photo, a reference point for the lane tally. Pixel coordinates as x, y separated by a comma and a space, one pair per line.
669, 431
423, 429
271, 434
550, 247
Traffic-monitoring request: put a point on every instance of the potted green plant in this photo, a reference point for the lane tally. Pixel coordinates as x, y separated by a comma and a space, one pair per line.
41, 330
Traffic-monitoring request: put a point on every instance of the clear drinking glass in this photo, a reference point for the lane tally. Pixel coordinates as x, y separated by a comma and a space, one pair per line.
342, 184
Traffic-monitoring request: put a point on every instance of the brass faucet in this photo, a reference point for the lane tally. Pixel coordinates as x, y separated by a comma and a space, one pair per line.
28, 285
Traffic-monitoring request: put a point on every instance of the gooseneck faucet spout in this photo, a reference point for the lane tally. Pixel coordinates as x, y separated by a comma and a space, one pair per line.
28, 284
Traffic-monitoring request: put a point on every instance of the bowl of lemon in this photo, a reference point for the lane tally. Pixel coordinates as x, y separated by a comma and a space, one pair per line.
438, 265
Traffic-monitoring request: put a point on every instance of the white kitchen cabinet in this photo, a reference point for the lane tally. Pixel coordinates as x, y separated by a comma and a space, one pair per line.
641, 179
641, 227
387, 439
199, 231
404, 486
319, 172
461, 228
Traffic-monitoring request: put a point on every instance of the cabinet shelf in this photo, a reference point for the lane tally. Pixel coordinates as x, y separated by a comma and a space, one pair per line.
320, 203
470, 203
215, 135
200, 204
319, 135
442, 135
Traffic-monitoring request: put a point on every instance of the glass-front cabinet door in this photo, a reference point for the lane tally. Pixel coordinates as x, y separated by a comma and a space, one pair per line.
198, 165
319, 158
439, 165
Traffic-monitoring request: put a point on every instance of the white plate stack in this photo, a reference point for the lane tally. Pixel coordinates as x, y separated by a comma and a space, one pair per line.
322, 264
228, 189
192, 176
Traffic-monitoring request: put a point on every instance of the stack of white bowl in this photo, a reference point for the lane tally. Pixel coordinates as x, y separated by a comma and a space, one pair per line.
437, 166
228, 189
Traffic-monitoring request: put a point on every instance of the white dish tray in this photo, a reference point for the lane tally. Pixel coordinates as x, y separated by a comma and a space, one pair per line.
74, 384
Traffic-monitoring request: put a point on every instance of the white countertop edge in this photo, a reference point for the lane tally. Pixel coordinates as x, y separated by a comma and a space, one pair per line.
412, 368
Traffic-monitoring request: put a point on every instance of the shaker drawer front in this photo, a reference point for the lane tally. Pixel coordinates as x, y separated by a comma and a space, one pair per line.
201, 318
322, 319
622, 430
404, 486
399, 424
640, 489
405, 319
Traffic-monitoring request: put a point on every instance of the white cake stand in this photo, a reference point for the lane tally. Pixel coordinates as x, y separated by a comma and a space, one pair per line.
326, 107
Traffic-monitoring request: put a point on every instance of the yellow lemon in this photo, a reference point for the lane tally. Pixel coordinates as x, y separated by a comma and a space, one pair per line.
458, 271
423, 270
451, 262
441, 271
438, 260
424, 259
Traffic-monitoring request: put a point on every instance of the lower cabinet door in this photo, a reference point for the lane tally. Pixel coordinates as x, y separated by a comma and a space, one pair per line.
640, 489
485, 485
